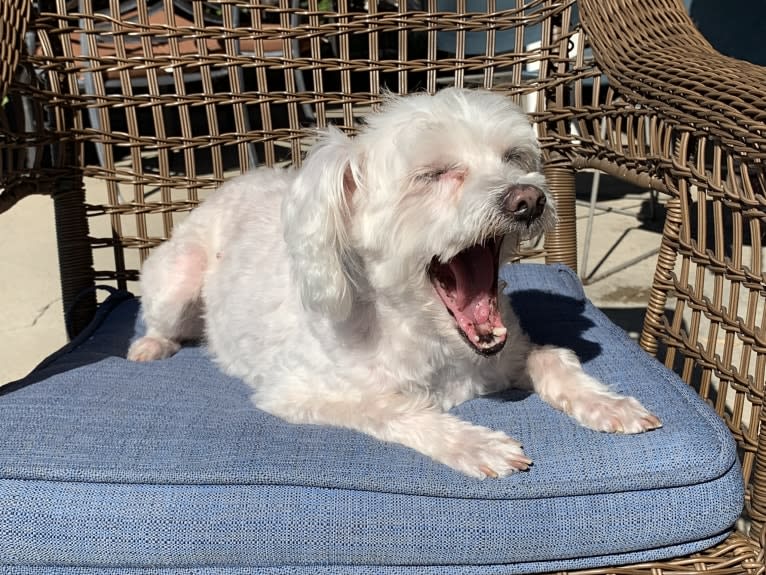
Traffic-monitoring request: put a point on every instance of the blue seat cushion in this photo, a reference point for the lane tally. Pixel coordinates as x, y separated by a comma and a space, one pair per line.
112, 466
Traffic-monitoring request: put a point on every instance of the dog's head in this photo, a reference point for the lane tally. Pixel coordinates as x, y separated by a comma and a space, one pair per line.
414, 209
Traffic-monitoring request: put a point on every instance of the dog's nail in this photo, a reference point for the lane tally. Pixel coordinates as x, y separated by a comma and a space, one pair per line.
520, 462
488, 471
523, 460
653, 422
615, 426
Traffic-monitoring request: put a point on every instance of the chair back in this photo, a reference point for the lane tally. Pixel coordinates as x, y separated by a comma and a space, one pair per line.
154, 103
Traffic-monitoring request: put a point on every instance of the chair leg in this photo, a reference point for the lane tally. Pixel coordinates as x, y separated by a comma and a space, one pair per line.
74, 251
561, 243
663, 277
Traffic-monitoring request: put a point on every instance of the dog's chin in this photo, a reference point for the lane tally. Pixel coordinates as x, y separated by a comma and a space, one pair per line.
467, 286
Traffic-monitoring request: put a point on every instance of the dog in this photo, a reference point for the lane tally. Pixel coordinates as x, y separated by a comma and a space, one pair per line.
360, 290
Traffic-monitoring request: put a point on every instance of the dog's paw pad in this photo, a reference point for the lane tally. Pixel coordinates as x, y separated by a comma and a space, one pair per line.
151, 348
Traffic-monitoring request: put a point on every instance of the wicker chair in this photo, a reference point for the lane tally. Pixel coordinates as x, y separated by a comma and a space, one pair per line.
680, 119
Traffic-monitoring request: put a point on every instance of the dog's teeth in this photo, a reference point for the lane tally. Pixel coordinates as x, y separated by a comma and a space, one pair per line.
499, 331
476, 338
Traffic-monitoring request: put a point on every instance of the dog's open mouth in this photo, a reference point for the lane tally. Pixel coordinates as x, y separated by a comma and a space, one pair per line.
467, 285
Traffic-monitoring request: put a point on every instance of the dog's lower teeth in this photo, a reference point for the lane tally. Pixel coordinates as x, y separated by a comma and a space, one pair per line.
499, 331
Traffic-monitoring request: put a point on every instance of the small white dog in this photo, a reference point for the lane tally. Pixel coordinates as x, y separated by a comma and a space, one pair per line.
361, 289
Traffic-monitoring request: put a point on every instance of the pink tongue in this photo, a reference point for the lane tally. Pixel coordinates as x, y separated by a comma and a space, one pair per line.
474, 276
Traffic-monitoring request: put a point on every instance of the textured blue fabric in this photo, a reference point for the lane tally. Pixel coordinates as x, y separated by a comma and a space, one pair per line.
107, 465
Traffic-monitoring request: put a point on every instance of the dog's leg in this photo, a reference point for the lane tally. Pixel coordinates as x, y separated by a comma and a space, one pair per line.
171, 282
410, 421
558, 377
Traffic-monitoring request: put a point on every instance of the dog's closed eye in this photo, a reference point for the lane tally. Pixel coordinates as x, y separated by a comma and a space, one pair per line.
435, 173
512, 156
521, 157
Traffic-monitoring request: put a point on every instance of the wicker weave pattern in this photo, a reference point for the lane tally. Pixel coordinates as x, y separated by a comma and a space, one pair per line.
14, 15
696, 136
175, 101
158, 103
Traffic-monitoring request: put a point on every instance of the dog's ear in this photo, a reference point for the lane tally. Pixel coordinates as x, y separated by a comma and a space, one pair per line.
316, 218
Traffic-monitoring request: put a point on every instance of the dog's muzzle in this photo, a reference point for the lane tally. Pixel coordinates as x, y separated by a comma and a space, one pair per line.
524, 202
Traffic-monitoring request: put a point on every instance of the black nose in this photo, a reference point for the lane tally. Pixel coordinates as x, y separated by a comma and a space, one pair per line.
525, 203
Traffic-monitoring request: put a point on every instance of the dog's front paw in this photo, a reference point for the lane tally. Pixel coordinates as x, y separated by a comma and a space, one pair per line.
615, 414
558, 377
481, 452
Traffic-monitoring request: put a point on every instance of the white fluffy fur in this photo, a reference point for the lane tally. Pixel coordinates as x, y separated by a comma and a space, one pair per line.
311, 284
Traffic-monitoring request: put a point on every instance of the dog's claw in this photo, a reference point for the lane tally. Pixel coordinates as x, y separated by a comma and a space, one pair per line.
653, 422
488, 471
521, 463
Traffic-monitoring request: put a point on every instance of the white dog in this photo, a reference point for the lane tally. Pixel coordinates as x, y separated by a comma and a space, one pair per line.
361, 289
